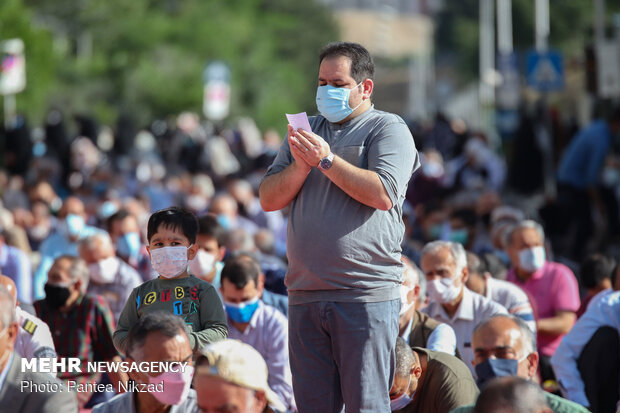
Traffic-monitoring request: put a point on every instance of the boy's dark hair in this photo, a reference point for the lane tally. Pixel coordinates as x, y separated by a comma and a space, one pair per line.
119, 215
240, 270
174, 218
362, 66
209, 226
158, 321
596, 268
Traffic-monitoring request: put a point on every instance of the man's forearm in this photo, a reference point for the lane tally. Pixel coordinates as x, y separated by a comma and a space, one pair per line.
278, 190
559, 324
360, 184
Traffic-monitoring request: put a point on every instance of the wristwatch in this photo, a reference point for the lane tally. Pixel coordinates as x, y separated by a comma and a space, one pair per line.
326, 163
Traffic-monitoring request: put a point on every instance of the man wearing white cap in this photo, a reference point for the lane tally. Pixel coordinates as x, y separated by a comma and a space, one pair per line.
232, 376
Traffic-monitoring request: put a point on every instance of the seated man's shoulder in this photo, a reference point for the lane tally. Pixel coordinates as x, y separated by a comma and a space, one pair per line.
388, 117
561, 405
486, 305
274, 316
464, 409
448, 363
56, 395
557, 269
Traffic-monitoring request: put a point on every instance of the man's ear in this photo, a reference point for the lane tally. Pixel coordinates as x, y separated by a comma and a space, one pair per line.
533, 367
12, 331
261, 284
221, 254
416, 293
261, 399
417, 371
368, 85
465, 275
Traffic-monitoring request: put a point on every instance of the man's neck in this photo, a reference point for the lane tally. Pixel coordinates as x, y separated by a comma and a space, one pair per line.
453, 306
70, 302
423, 362
146, 403
365, 105
523, 275
240, 326
403, 321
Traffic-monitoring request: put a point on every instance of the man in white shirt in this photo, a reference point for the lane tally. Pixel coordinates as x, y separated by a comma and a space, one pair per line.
416, 328
444, 264
34, 339
510, 296
109, 276
587, 363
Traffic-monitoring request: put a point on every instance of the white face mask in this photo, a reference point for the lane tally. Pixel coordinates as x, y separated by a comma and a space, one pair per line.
104, 271
169, 262
202, 264
532, 259
404, 305
442, 290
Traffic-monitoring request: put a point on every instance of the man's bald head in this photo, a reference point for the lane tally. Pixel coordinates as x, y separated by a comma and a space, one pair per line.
10, 286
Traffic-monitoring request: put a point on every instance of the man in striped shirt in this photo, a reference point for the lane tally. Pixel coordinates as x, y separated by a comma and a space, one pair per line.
82, 326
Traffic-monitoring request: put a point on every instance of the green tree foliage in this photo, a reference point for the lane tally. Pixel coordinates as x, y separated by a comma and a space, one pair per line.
146, 57
16, 22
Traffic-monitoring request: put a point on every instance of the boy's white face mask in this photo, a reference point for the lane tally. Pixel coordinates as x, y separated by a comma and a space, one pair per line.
169, 262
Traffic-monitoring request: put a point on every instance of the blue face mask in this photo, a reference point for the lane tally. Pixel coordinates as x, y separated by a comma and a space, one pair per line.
73, 225
128, 245
242, 312
403, 400
459, 236
491, 368
333, 102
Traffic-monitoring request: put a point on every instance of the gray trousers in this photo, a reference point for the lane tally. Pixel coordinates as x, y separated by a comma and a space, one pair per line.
343, 353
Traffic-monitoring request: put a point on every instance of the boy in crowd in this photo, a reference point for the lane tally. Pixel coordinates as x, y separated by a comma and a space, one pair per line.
171, 234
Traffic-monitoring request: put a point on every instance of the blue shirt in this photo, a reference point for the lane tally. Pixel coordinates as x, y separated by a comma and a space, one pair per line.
55, 245
16, 265
267, 333
583, 159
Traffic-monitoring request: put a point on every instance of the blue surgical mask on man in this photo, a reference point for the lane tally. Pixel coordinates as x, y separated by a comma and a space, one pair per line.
242, 312
532, 259
494, 367
128, 245
333, 102
403, 400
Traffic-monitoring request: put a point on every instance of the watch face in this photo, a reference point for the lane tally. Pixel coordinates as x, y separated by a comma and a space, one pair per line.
325, 163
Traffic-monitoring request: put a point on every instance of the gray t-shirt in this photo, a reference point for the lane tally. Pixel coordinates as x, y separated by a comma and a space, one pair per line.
338, 248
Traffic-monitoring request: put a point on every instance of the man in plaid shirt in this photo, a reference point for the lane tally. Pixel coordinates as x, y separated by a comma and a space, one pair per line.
82, 326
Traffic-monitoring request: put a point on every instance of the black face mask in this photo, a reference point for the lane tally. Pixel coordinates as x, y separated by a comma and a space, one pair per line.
56, 296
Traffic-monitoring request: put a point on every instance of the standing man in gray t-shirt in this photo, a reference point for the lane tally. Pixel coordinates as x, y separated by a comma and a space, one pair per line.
345, 183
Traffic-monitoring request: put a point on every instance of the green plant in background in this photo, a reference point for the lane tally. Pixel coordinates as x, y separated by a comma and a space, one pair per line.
146, 57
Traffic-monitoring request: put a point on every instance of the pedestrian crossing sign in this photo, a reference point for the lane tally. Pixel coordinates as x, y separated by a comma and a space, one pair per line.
545, 71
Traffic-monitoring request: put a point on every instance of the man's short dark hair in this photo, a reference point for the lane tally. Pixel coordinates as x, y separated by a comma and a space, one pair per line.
405, 359
158, 321
362, 66
209, 226
174, 218
240, 270
119, 215
596, 268
475, 265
